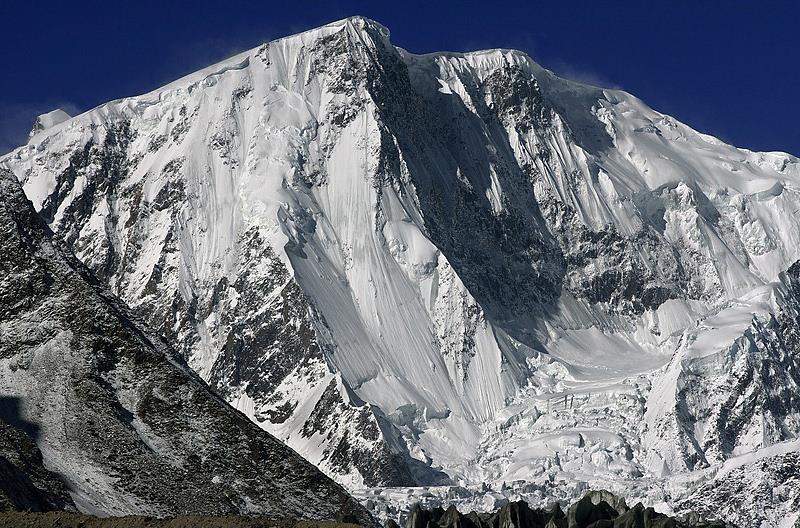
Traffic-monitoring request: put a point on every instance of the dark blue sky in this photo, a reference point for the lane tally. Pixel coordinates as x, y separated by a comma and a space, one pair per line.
731, 68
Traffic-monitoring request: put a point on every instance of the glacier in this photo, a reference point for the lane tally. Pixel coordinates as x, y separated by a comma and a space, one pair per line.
452, 277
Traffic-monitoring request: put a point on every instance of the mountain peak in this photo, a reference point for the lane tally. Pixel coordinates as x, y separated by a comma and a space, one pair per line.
481, 253
361, 22
48, 120
355, 23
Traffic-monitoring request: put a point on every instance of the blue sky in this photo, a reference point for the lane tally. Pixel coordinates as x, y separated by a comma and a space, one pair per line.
731, 69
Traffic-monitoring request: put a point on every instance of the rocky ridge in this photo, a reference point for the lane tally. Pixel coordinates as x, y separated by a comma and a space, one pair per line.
598, 509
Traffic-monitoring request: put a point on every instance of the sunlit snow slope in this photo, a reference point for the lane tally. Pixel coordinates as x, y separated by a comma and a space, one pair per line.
446, 268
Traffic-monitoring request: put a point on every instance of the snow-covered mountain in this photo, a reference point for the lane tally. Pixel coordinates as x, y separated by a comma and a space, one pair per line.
448, 268
118, 419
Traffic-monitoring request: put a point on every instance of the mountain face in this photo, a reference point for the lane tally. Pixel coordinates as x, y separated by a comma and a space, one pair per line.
119, 418
449, 268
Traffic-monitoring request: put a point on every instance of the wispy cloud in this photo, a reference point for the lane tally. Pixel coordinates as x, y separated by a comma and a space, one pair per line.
192, 55
581, 75
526, 42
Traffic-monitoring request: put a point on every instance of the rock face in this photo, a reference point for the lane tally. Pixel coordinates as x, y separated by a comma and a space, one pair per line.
120, 418
598, 509
759, 493
429, 269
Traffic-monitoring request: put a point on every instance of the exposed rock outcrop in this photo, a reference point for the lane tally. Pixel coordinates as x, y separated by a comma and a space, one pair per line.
597, 509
